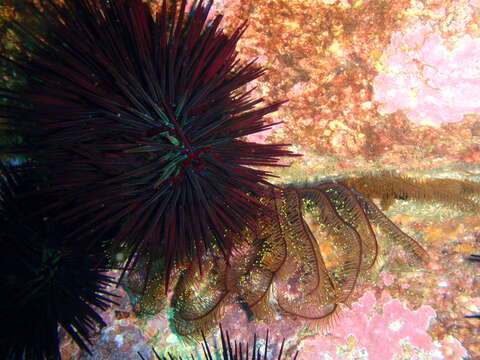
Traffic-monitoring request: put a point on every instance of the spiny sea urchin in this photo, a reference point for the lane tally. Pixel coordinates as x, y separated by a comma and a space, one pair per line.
140, 120
237, 351
45, 281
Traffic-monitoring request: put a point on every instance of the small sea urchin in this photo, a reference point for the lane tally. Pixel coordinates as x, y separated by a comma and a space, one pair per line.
141, 120
240, 350
44, 281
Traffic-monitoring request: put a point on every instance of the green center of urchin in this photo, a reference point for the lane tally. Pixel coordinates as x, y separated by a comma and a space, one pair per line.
174, 149
50, 262
179, 162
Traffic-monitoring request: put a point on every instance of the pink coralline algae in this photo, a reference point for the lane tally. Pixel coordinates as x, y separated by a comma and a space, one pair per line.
378, 330
123, 341
432, 80
387, 278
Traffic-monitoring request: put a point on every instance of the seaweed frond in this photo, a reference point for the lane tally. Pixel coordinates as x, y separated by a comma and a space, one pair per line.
304, 262
387, 187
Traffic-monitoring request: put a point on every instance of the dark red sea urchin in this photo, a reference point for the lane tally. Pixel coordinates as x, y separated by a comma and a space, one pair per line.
140, 120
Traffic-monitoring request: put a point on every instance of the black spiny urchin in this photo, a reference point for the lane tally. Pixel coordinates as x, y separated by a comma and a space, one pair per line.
141, 120
45, 282
237, 351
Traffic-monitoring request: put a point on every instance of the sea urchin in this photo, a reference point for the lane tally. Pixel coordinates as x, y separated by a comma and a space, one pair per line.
45, 281
141, 120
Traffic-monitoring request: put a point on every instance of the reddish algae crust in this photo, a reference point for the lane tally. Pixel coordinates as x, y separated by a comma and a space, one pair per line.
324, 57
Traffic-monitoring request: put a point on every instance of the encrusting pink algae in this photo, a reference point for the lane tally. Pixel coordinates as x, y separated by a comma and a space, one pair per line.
432, 80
